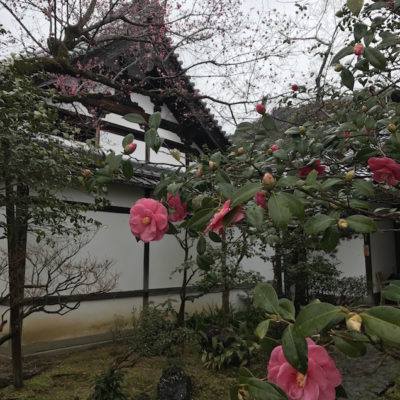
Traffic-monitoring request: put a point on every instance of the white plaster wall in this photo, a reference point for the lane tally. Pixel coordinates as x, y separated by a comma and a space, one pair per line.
165, 256
350, 254
383, 252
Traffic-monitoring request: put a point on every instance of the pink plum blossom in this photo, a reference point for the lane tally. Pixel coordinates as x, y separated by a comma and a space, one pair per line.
216, 225
148, 220
179, 208
318, 383
385, 170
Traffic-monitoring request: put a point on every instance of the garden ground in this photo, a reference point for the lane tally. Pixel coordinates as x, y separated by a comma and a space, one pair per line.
70, 376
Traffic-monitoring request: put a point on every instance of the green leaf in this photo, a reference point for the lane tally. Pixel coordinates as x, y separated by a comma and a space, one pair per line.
261, 390
204, 261
312, 178
364, 187
295, 350
392, 291
281, 154
314, 317
375, 57
128, 139
329, 183
278, 212
150, 138
155, 120
136, 118
245, 193
114, 161
214, 237
172, 229
265, 298
262, 329
201, 245
286, 309
346, 51
330, 239
355, 6
356, 203
226, 189
360, 30
383, 322
349, 347
127, 169
222, 177
292, 202
318, 223
200, 219
361, 224
370, 123
173, 188
255, 215
347, 78
288, 181
268, 122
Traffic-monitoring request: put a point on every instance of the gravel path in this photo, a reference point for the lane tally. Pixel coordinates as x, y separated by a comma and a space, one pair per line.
368, 377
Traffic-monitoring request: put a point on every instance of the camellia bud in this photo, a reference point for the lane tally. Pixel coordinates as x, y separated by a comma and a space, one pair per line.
302, 130
358, 49
176, 154
240, 151
199, 172
353, 322
87, 173
350, 175
338, 67
392, 128
212, 165
295, 88
273, 148
130, 148
268, 181
364, 109
260, 108
342, 223
339, 14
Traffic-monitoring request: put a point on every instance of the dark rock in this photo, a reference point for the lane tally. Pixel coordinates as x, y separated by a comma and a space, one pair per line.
174, 384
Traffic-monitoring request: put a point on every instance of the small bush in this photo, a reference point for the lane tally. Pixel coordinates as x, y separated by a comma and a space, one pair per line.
107, 386
222, 348
155, 332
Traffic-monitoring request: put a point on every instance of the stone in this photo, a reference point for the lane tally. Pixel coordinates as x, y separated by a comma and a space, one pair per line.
174, 384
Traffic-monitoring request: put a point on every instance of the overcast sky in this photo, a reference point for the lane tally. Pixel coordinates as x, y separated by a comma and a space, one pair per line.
300, 68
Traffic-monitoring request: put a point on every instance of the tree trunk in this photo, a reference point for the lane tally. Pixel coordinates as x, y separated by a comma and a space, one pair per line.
277, 268
225, 283
182, 293
16, 216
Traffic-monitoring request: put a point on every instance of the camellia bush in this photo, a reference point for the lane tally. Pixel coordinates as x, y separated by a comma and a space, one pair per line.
333, 174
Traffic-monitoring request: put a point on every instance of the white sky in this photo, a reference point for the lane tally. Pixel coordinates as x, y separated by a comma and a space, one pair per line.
299, 68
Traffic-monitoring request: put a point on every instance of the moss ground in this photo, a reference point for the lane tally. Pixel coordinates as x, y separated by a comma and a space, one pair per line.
70, 376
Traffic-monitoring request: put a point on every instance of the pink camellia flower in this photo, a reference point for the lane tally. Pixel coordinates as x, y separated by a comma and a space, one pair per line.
261, 199
317, 384
307, 169
273, 148
260, 108
346, 135
148, 220
385, 170
175, 203
358, 49
215, 224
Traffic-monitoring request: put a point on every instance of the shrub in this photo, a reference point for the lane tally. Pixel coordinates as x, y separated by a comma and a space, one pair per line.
155, 332
107, 386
